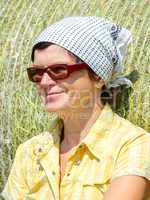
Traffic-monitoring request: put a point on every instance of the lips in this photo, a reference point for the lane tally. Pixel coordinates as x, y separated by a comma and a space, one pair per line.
55, 93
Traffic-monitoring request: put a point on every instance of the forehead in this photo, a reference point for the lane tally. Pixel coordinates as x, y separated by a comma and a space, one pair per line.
51, 55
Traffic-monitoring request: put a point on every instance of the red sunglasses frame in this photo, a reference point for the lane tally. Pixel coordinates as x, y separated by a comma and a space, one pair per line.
48, 70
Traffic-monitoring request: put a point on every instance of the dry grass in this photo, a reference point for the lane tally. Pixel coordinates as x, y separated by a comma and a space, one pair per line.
21, 114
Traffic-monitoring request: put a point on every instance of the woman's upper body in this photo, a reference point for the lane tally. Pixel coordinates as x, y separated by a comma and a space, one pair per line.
114, 151
99, 155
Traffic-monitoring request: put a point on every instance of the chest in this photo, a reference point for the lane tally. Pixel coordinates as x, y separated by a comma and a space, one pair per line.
63, 159
81, 176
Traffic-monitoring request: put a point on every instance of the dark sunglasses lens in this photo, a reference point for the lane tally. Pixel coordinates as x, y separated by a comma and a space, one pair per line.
58, 72
35, 75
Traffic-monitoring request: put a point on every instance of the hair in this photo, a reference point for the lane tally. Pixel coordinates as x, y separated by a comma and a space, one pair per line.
106, 95
44, 45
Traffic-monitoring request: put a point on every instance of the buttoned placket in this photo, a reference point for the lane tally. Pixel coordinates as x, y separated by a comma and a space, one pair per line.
51, 168
73, 161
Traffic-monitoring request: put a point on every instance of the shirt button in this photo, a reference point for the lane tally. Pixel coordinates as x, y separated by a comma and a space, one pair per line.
68, 174
39, 149
40, 168
54, 173
77, 162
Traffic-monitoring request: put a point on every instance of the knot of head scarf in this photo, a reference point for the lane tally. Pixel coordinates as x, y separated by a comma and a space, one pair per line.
97, 41
122, 38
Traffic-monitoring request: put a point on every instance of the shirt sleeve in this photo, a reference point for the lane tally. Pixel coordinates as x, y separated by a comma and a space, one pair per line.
134, 158
16, 187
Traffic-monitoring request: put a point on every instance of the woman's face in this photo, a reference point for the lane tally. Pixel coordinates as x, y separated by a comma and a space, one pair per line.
73, 92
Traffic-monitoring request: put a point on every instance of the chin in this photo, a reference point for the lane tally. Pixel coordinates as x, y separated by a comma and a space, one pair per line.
57, 105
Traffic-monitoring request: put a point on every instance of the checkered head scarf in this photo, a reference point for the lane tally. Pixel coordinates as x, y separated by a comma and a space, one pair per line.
97, 41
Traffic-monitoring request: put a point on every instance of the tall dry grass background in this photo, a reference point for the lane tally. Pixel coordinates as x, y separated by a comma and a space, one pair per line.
21, 113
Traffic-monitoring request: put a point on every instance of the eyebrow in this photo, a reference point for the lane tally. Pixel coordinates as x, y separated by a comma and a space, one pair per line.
37, 66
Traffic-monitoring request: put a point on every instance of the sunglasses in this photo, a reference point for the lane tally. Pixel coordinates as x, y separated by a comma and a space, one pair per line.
56, 72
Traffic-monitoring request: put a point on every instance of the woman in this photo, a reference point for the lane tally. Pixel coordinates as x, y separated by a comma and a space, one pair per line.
91, 152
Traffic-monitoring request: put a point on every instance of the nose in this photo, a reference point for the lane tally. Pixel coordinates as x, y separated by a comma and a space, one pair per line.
47, 81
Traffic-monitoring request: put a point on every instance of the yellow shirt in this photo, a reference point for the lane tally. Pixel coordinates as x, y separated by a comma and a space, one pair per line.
113, 147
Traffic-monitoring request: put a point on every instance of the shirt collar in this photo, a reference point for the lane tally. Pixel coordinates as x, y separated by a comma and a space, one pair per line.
48, 140
97, 137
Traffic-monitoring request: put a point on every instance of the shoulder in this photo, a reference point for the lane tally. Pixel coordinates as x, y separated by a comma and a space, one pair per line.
40, 138
38, 146
130, 145
126, 129
32, 147
118, 127
125, 134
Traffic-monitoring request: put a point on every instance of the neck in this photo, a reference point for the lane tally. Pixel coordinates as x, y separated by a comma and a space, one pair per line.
77, 123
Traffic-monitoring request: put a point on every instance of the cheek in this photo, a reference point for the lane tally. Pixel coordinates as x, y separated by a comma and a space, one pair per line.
81, 89
80, 80
83, 85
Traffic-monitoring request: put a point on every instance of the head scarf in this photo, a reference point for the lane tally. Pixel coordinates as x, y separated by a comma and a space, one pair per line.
97, 41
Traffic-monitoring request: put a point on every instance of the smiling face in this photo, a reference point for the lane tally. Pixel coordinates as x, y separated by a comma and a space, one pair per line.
73, 92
